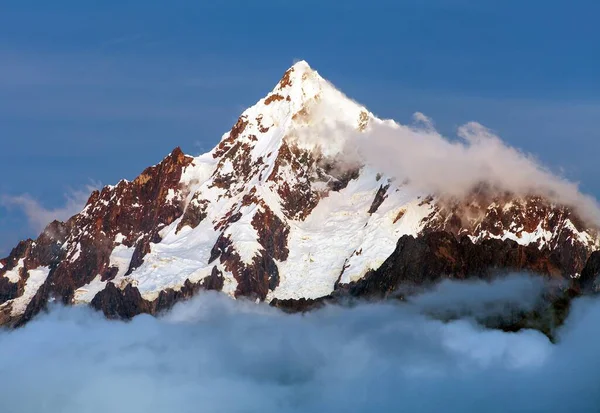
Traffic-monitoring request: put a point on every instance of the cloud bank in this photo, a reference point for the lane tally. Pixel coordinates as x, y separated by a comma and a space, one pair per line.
39, 216
213, 354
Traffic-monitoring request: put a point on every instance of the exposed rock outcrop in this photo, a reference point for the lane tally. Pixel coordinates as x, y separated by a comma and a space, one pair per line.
589, 282
277, 212
79, 250
435, 256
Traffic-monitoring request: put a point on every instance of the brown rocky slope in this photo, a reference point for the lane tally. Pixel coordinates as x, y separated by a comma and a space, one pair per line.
269, 214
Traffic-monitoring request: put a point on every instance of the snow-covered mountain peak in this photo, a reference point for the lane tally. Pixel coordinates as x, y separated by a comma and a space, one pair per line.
283, 148
300, 82
303, 108
276, 211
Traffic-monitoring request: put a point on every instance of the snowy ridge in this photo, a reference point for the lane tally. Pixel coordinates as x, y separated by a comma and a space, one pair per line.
339, 239
35, 280
340, 236
274, 213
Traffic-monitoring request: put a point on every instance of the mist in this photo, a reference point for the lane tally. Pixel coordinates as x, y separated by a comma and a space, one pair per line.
214, 354
39, 216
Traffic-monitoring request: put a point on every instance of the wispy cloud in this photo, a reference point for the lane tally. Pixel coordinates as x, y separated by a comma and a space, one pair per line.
100, 68
126, 39
437, 164
39, 216
98, 85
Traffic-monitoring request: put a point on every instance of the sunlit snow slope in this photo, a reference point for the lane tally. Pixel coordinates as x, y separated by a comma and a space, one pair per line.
278, 209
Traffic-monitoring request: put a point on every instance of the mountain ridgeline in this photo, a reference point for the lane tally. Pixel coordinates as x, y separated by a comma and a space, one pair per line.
271, 214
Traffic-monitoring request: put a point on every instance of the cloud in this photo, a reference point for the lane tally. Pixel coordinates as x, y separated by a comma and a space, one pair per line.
39, 216
216, 354
435, 164
453, 167
518, 292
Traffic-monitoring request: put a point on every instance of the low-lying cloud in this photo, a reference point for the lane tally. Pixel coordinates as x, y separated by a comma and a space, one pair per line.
38, 216
515, 292
213, 354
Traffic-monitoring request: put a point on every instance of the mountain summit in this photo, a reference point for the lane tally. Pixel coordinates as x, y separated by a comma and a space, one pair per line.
279, 212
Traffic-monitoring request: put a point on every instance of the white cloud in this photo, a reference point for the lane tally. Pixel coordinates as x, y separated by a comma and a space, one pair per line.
436, 164
478, 297
439, 165
216, 354
39, 216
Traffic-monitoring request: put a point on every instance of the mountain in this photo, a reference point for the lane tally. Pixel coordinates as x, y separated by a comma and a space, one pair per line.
277, 213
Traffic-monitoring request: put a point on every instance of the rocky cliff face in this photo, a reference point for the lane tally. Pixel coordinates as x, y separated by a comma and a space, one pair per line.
87, 248
274, 214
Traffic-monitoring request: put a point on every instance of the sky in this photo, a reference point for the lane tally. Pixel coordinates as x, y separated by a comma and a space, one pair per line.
93, 92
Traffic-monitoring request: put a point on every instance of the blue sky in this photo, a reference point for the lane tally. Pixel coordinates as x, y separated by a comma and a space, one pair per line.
96, 91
